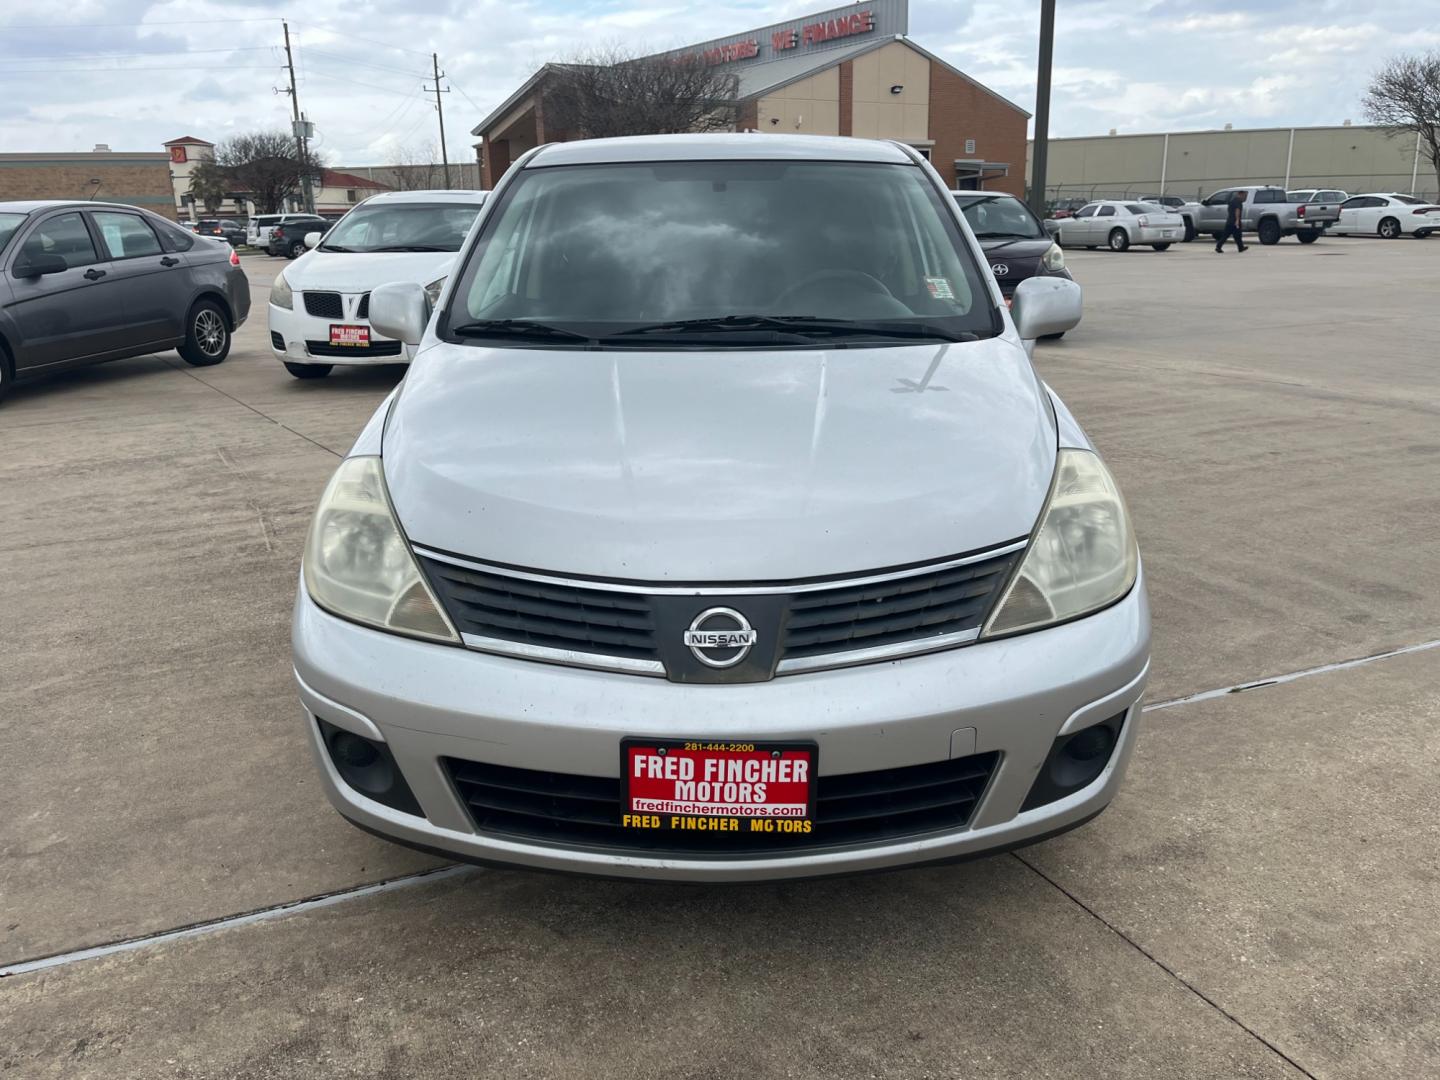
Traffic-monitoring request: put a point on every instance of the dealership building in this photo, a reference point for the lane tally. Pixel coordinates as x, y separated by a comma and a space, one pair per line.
847, 71
1193, 164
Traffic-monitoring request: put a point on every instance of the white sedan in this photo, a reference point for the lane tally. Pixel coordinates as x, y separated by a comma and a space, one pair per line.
1387, 216
319, 311
1118, 224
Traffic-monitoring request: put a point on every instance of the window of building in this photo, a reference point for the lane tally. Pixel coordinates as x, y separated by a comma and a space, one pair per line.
923, 151
64, 235
126, 235
350, 194
969, 146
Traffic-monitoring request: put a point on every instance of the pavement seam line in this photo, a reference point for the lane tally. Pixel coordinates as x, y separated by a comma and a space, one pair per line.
1291, 676
1166, 968
225, 922
257, 412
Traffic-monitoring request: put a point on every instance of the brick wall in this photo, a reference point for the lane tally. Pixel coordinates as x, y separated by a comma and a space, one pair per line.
960, 110
138, 179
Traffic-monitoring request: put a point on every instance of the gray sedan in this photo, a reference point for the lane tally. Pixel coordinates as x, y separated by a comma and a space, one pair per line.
86, 282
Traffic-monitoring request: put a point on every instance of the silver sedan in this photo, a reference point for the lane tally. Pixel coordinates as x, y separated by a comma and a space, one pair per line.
1118, 224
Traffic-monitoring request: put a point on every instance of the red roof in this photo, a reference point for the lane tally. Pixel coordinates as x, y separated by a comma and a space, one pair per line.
187, 139
331, 178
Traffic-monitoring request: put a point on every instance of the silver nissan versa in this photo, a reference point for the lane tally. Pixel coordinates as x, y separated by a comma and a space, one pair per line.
721, 530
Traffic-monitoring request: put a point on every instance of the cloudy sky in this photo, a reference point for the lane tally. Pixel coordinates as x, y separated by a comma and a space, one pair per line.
133, 73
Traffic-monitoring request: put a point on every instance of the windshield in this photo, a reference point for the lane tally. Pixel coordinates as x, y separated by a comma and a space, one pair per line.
9, 225
730, 253
1001, 217
407, 227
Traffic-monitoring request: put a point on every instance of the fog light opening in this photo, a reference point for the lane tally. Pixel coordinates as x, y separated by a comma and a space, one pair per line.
1075, 761
368, 767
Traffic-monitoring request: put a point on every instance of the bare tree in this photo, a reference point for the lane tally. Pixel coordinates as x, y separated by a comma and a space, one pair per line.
615, 93
265, 165
1404, 96
416, 168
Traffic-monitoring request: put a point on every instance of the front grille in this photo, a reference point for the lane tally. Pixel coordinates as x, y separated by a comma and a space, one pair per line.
363, 311
324, 305
854, 808
375, 348
811, 627
545, 615
903, 609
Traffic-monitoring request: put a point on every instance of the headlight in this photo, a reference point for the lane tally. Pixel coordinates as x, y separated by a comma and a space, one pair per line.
1083, 556
1054, 258
433, 290
358, 565
280, 294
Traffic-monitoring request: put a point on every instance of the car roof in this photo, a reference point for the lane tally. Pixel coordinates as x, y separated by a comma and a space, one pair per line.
29, 206
963, 195
460, 196
717, 146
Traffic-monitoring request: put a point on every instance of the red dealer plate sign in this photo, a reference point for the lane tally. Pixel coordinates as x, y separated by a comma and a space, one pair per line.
718, 786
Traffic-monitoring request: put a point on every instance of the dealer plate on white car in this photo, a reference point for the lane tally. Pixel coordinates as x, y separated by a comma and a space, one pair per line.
356, 336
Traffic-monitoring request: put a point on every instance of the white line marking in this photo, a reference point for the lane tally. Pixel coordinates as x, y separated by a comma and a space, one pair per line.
442, 873
1276, 680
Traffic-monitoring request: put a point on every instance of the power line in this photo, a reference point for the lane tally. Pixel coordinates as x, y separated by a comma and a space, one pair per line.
156, 54
111, 71
366, 86
348, 36
94, 26
310, 50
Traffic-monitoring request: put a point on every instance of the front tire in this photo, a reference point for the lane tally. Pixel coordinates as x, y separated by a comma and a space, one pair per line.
7, 372
1119, 240
207, 335
1307, 237
308, 371
1389, 229
1161, 247
1269, 231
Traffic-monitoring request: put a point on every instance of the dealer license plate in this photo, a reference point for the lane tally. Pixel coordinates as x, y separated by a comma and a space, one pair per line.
358, 336
1169, 232
719, 787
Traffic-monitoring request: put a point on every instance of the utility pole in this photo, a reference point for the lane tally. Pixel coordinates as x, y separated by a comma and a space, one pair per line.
300, 128
444, 155
1039, 159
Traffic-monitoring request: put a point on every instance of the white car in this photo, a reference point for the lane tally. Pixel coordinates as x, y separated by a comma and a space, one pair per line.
319, 312
1118, 224
1387, 216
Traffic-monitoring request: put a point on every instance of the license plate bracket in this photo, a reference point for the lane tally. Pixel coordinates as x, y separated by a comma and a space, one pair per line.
722, 786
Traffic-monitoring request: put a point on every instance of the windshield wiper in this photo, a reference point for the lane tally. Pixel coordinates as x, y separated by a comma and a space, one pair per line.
337, 247
516, 328
1007, 236
412, 247
805, 325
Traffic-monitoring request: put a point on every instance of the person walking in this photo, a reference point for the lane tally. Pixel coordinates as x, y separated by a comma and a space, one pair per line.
1234, 222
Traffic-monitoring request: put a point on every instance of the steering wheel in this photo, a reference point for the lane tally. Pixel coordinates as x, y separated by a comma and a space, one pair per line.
854, 277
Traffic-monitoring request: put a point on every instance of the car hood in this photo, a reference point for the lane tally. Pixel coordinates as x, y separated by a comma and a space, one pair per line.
719, 466
339, 272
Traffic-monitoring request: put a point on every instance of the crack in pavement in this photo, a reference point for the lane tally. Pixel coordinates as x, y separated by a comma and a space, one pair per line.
1162, 966
224, 922
252, 408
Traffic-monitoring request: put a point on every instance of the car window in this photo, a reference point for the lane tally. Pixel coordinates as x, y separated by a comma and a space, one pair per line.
126, 235
402, 227
9, 226
1331, 196
1085, 211
1106, 211
601, 249
174, 237
64, 235
1137, 208
1407, 200
996, 217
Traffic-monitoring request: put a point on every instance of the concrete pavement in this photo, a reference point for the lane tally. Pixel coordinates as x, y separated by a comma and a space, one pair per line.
1253, 904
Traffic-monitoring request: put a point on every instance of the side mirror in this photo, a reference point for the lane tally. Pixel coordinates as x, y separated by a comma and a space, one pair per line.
40, 265
311, 239
1052, 226
400, 310
1042, 306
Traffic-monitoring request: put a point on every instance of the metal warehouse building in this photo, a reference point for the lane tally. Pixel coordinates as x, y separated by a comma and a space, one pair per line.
847, 71
1195, 163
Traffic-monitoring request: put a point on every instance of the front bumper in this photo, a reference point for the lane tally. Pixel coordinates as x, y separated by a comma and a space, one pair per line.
1014, 696
299, 330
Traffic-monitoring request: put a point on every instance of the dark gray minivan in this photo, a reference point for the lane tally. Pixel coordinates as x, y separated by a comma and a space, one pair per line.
86, 282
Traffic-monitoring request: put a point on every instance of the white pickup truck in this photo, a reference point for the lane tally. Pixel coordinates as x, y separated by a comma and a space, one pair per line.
1269, 213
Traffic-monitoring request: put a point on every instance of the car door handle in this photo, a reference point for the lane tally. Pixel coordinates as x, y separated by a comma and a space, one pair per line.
94, 275
168, 261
